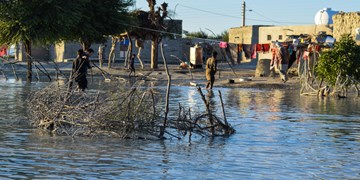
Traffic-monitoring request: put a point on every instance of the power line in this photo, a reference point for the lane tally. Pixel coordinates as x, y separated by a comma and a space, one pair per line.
236, 17
271, 20
264, 16
208, 11
165, 32
177, 34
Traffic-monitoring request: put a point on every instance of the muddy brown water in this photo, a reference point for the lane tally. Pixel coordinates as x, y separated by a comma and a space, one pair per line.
280, 135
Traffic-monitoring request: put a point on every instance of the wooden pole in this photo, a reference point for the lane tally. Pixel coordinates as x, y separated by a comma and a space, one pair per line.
162, 130
223, 109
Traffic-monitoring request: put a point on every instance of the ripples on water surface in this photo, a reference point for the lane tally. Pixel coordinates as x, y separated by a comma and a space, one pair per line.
280, 135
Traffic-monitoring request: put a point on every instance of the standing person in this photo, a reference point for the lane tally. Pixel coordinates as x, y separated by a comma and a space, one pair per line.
211, 68
279, 61
132, 67
80, 67
282, 55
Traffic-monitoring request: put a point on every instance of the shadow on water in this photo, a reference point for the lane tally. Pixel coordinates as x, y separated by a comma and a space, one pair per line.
280, 135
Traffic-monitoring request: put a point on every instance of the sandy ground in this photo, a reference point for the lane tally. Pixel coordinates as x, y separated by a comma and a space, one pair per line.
241, 75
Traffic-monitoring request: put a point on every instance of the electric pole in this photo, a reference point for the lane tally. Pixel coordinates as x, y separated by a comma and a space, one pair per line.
243, 13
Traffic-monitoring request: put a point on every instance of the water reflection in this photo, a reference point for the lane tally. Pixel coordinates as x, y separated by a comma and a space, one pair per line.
266, 105
210, 98
280, 135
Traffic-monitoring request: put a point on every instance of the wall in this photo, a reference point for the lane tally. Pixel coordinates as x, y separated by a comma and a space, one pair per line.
276, 32
243, 35
37, 52
259, 34
268, 34
177, 47
67, 51
346, 23
281, 33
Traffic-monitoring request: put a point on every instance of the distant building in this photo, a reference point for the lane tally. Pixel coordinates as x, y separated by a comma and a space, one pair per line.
66, 51
327, 21
259, 34
252, 35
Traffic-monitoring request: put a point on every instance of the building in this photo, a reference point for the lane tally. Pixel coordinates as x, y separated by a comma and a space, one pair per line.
66, 51
333, 23
259, 34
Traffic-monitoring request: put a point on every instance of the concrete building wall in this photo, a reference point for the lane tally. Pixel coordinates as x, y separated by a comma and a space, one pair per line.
177, 47
37, 52
268, 34
280, 33
347, 23
67, 51
243, 35
41, 53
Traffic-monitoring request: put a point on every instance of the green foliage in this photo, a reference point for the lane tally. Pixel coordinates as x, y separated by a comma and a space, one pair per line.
46, 22
224, 36
198, 34
38, 22
99, 18
344, 58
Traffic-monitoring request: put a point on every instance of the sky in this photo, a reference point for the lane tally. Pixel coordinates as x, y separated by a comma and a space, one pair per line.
216, 16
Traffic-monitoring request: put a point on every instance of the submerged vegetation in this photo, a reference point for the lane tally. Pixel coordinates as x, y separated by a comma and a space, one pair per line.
334, 71
117, 111
340, 66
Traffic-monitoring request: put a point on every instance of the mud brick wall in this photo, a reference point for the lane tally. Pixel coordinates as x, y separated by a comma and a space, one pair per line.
347, 23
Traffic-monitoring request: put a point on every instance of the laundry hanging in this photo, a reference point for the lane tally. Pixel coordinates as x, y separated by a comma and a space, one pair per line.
223, 44
265, 48
3, 51
247, 50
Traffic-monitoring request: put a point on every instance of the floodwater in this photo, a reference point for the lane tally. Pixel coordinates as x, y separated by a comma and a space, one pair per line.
279, 135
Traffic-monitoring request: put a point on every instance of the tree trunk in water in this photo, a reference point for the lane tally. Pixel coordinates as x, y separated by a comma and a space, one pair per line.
139, 57
28, 60
139, 43
112, 51
85, 44
129, 53
154, 53
162, 129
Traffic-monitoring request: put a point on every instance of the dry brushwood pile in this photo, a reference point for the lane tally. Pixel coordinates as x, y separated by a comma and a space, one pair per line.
118, 111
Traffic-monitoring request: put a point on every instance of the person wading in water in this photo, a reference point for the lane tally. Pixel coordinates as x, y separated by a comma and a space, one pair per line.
80, 67
211, 68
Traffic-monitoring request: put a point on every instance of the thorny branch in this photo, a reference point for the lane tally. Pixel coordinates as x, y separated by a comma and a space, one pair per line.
132, 113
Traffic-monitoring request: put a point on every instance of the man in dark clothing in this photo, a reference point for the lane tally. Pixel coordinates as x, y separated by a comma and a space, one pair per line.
80, 67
